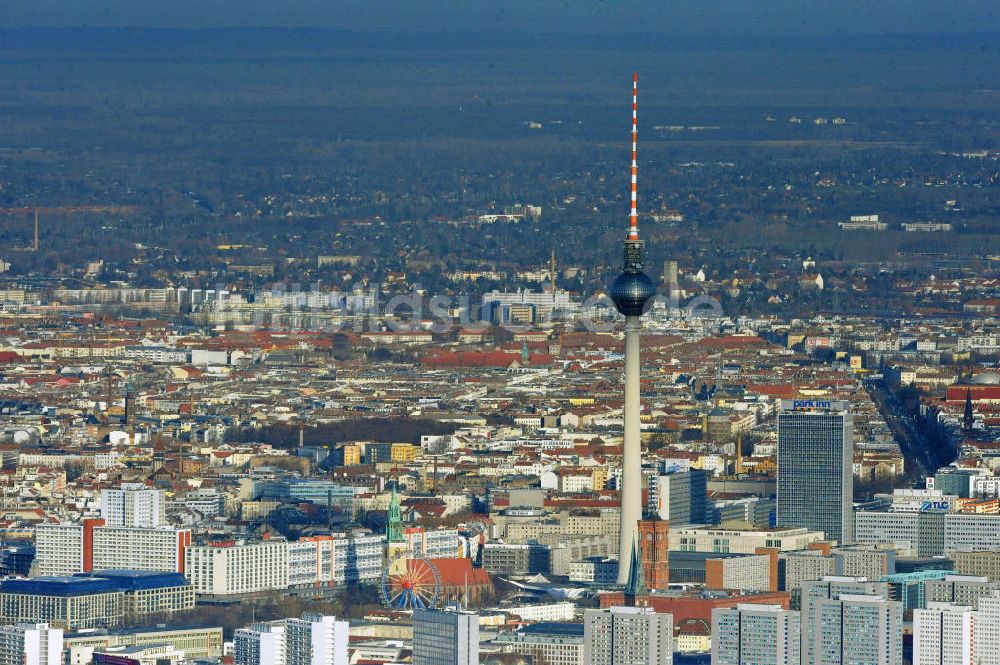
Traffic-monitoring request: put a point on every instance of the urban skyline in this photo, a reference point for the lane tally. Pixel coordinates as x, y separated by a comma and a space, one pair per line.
332, 344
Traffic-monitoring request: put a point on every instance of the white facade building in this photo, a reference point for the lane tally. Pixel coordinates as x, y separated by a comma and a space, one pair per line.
59, 549
595, 570
628, 636
855, 629
230, 568
260, 644
357, 558
316, 639
30, 644
986, 643
237, 568
309, 562
65, 549
133, 505
942, 634
751, 633
739, 541
442, 543
122, 548
557, 612
549, 643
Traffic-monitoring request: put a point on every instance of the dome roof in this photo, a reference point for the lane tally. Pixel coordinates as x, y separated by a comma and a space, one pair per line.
987, 379
631, 292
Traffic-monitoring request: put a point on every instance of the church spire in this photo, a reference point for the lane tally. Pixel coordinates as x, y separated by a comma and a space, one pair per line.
394, 520
635, 590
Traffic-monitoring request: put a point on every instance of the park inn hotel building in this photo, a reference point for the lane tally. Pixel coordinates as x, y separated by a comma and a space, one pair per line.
815, 471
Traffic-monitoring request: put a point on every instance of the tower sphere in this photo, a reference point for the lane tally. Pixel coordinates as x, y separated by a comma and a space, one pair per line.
631, 292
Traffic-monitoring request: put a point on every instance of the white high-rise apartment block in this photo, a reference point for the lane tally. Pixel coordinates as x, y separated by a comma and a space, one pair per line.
260, 644
316, 639
131, 548
628, 636
987, 636
58, 549
942, 634
31, 644
231, 568
751, 633
133, 505
865, 630
830, 587
65, 549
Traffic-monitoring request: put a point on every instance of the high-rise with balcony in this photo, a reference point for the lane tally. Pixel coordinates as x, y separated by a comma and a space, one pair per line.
133, 505
942, 634
31, 644
627, 636
260, 644
316, 639
830, 587
864, 629
986, 643
759, 634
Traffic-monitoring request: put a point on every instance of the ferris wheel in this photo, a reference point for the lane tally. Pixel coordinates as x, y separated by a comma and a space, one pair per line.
411, 581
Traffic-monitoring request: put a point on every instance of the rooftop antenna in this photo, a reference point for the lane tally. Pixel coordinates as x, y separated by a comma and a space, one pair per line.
552, 272
130, 406
36, 230
107, 410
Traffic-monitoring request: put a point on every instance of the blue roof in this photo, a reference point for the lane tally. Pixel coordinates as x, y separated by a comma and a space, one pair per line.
59, 586
138, 580
83, 584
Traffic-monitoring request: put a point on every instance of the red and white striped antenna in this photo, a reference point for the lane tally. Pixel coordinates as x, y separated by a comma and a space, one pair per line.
633, 219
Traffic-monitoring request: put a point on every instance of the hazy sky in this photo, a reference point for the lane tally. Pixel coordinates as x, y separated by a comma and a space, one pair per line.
574, 16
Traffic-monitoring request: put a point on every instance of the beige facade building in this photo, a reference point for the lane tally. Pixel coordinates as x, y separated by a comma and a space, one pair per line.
983, 564
733, 541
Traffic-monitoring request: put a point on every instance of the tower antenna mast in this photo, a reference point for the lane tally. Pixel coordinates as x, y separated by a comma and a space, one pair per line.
631, 292
633, 218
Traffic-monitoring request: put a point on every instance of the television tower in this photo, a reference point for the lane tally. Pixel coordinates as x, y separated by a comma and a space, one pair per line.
631, 292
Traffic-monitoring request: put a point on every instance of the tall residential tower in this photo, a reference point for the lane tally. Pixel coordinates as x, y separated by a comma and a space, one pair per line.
631, 292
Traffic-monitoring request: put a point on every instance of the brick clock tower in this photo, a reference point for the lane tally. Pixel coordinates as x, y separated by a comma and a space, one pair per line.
654, 544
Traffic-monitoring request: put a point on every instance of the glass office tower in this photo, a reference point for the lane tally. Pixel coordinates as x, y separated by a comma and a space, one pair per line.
815, 467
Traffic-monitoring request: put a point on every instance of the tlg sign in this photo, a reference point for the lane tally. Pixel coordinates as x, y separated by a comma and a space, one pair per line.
929, 505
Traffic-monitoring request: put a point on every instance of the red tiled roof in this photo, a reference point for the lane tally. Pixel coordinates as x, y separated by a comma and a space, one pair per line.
980, 392
482, 358
785, 390
456, 571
